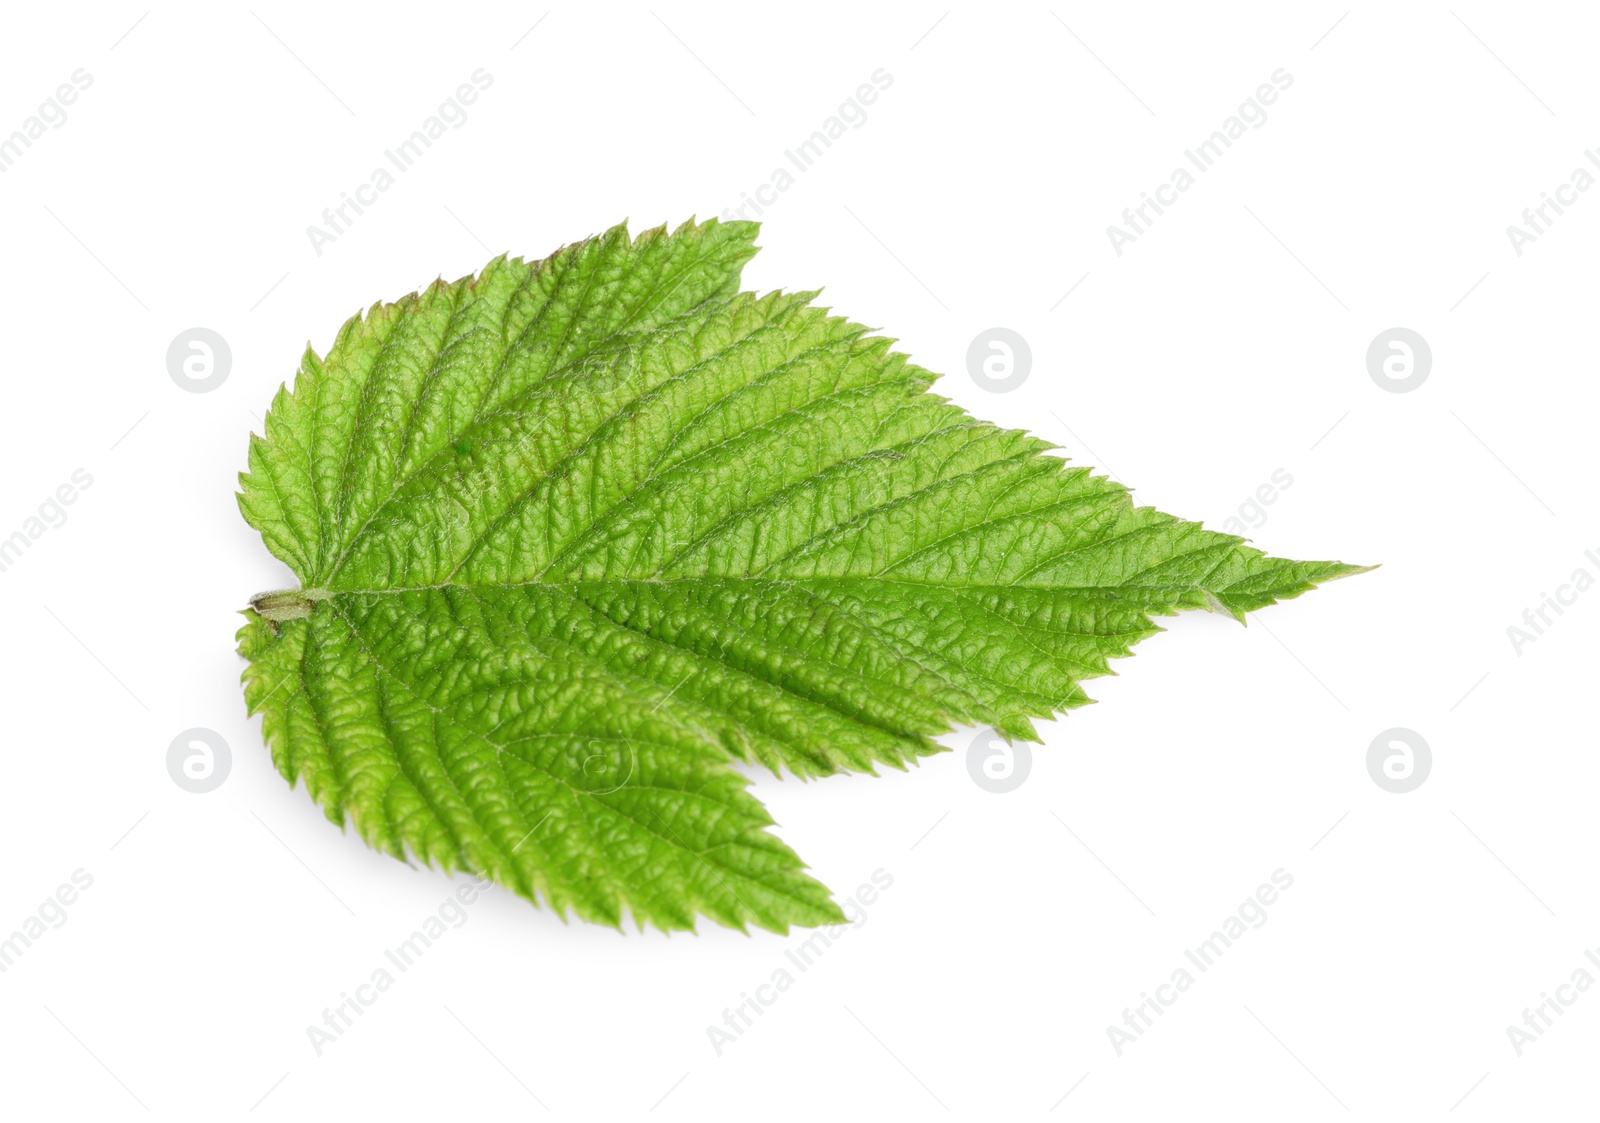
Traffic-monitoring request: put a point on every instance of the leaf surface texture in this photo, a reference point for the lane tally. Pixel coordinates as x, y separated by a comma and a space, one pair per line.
580, 533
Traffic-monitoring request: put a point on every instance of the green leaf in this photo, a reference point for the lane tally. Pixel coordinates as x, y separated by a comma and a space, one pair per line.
575, 535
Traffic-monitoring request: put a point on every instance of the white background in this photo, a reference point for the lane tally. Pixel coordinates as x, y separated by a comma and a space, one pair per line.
1228, 342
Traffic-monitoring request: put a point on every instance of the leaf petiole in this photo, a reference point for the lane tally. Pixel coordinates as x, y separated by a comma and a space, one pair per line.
287, 604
